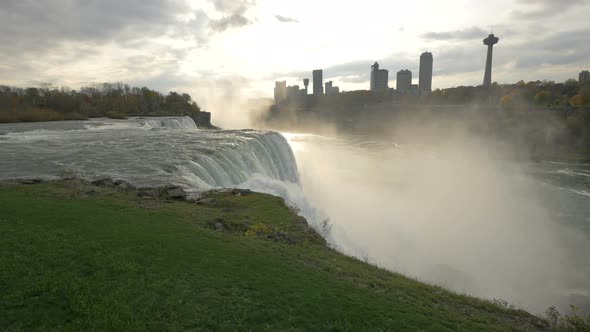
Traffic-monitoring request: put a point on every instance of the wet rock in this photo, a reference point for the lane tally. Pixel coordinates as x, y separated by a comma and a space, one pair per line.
124, 185
219, 226
241, 192
207, 201
149, 205
87, 193
103, 182
282, 237
301, 220
147, 193
175, 192
29, 181
127, 186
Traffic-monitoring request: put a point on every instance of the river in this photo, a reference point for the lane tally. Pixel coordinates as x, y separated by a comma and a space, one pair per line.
453, 214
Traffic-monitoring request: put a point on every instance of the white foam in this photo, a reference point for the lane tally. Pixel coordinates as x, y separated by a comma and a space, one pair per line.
570, 172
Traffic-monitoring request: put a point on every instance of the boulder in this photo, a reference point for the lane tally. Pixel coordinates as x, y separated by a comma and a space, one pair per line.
124, 185
175, 192
241, 192
207, 201
103, 182
29, 181
219, 226
147, 193
282, 237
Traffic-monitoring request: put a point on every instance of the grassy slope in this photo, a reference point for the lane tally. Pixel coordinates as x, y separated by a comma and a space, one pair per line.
78, 257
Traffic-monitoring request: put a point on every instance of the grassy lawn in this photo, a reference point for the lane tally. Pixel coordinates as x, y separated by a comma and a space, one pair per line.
79, 257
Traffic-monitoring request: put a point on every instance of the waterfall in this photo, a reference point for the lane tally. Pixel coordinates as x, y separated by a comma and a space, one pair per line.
258, 160
251, 153
171, 151
184, 122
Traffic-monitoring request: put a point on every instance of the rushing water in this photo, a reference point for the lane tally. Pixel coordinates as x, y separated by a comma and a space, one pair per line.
145, 152
454, 217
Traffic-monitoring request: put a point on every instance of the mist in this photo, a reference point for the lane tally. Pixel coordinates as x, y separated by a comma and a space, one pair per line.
441, 204
435, 198
230, 106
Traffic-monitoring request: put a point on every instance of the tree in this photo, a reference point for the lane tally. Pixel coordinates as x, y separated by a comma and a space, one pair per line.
585, 94
577, 100
105, 99
542, 97
506, 101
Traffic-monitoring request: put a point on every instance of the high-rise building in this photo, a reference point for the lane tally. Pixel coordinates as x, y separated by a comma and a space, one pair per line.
379, 78
425, 74
331, 90
584, 76
404, 80
306, 84
490, 42
280, 91
318, 82
293, 92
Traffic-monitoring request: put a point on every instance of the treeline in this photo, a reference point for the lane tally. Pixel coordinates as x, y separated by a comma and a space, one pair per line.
114, 100
551, 118
518, 96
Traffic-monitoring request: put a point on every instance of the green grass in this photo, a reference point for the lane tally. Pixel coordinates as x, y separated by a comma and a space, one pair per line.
77, 257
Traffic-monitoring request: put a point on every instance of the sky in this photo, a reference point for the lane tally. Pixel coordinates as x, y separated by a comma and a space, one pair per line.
237, 48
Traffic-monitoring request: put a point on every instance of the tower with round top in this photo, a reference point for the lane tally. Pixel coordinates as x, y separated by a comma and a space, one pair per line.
490, 42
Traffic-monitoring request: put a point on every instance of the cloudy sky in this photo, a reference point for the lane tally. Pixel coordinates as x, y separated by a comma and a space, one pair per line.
240, 47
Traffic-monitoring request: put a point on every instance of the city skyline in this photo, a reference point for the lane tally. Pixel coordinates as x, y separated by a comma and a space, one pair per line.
227, 49
378, 82
379, 79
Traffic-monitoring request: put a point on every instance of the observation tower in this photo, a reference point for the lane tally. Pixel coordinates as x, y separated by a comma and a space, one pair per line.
490, 42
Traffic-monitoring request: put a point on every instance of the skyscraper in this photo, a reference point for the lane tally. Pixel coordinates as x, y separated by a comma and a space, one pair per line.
318, 82
425, 74
280, 91
584, 76
404, 80
379, 78
490, 42
331, 90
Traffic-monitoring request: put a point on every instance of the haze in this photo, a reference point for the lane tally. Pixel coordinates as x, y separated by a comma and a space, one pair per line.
211, 47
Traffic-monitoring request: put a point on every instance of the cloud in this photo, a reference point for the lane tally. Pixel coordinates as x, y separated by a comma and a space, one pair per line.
465, 59
465, 34
233, 11
233, 6
536, 9
563, 48
76, 42
224, 23
354, 71
285, 19
34, 25
516, 58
